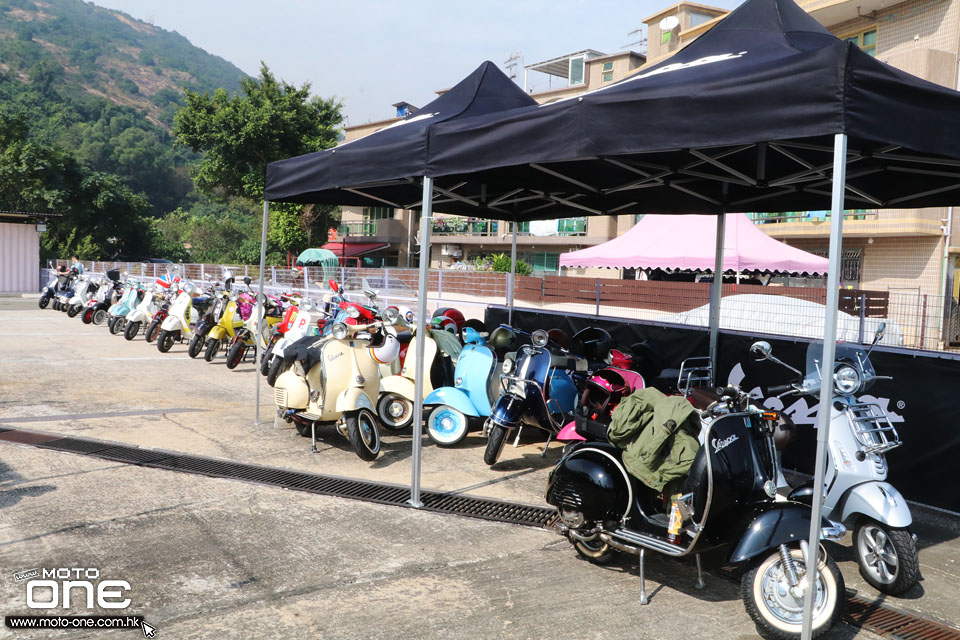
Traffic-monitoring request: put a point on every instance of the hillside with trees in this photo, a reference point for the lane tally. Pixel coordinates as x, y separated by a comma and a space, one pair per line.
88, 101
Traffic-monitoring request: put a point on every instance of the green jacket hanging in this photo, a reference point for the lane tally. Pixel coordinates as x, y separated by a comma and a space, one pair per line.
658, 434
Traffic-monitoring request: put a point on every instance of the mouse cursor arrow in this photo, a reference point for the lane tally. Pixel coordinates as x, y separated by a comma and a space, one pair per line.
149, 631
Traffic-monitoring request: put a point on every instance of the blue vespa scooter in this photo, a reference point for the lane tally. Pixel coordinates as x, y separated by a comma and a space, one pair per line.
477, 384
127, 303
537, 389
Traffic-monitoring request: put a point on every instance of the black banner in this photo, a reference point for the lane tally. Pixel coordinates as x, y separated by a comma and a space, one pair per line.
918, 399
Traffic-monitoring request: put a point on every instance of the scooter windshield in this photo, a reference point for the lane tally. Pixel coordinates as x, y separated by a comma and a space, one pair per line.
847, 353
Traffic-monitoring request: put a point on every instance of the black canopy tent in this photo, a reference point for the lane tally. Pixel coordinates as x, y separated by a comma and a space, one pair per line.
767, 111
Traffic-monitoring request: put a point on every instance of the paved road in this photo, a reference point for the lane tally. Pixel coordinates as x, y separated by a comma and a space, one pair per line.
216, 558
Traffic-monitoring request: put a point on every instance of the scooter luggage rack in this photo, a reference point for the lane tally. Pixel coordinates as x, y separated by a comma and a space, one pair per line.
695, 372
872, 428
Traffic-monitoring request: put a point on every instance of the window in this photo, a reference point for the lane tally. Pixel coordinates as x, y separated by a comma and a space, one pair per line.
866, 40
576, 70
607, 72
851, 263
370, 217
699, 18
572, 226
523, 227
541, 261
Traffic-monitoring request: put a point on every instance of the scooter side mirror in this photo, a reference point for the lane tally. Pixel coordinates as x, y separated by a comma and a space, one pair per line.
761, 350
333, 285
880, 331
247, 280
370, 293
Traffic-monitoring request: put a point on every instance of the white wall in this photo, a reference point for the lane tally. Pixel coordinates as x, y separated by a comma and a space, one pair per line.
19, 258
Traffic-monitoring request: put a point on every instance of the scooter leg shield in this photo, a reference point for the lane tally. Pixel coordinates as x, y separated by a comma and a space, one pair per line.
877, 500
291, 391
351, 400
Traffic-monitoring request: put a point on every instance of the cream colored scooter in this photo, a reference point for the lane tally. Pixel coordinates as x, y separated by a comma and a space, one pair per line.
337, 379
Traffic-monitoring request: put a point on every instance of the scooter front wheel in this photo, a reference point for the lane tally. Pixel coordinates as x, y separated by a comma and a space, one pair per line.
887, 557
395, 411
496, 438
277, 366
363, 432
44, 301
235, 354
131, 331
265, 360
73, 310
213, 348
99, 316
446, 426
777, 609
196, 345
117, 325
165, 340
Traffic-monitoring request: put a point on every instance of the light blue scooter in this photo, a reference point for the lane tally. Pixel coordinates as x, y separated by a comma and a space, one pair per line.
477, 385
121, 308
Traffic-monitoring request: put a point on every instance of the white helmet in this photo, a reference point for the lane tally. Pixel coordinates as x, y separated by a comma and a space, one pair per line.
388, 351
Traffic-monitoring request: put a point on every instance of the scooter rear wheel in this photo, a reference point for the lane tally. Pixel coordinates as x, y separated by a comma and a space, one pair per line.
87, 316
363, 432
131, 330
446, 426
596, 551
495, 441
395, 411
887, 557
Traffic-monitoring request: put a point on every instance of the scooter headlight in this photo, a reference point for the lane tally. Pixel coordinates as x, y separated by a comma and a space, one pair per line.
339, 331
306, 305
539, 338
846, 380
353, 312
507, 366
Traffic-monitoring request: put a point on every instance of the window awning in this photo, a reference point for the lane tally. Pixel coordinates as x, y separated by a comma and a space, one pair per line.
354, 249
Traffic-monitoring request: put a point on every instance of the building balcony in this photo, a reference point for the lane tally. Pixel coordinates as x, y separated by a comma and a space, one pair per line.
857, 223
388, 230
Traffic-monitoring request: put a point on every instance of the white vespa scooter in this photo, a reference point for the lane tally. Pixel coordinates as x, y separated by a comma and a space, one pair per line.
176, 326
83, 292
856, 491
143, 312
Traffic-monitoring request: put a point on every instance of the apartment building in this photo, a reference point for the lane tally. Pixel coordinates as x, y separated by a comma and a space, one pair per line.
912, 251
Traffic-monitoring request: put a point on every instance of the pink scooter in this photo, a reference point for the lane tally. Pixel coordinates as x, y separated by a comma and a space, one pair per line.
602, 392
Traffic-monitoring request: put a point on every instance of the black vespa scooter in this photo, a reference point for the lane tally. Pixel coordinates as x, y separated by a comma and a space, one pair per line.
727, 501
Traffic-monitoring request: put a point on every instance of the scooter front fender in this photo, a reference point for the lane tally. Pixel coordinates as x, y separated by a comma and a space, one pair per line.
171, 323
769, 526
453, 397
877, 500
353, 399
399, 385
508, 411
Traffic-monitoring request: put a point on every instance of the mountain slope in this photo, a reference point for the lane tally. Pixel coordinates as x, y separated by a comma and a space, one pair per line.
85, 50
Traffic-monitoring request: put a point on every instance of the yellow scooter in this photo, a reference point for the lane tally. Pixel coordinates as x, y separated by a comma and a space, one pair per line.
238, 309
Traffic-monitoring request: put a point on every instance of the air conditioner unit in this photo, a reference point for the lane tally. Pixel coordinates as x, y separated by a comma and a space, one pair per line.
452, 250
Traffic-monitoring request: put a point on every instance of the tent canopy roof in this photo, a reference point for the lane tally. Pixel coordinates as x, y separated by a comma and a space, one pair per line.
689, 242
742, 119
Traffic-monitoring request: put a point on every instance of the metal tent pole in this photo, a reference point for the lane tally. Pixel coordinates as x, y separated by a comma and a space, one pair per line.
511, 283
715, 295
426, 224
263, 262
829, 357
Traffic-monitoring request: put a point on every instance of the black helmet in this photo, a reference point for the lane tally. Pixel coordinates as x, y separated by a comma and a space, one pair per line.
503, 339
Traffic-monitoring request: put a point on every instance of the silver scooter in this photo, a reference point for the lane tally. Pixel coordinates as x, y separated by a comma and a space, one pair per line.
856, 492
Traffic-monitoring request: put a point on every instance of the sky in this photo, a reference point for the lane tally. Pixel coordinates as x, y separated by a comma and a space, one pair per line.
371, 53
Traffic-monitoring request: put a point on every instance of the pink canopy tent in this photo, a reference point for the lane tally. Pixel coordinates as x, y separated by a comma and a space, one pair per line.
689, 243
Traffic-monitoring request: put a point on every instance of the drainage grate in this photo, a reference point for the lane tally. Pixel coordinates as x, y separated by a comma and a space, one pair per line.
379, 492
861, 612
894, 624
